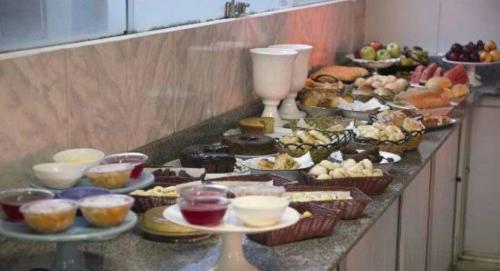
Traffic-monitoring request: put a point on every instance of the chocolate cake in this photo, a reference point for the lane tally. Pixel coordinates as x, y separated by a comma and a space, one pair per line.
215, 159
247, 144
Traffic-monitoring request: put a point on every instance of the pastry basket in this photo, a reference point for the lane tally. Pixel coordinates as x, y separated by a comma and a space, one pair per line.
373, 185
318, 152
320, 223
353, 208
397, 147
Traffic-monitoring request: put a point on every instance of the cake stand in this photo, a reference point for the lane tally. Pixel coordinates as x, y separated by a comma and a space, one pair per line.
145, 180
272, 73
288, 109
231, 253
474, 79
374, 64
68, 257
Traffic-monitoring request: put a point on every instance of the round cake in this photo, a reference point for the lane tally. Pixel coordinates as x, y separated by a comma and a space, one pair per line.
247, 144
215, 159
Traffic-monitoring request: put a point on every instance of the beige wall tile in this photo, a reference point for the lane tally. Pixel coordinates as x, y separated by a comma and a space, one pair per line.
151, 79
33, 117
194, 76
99, 100
229, 81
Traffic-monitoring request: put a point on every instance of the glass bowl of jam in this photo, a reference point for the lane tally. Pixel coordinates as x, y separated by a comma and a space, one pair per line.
11, 200
136, 158
203, 205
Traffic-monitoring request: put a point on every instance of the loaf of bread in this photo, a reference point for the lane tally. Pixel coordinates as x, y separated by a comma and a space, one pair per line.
342, 73
425, 98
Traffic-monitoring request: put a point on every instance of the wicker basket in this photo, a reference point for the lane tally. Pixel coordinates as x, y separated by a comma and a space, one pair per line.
144, 203
368, 185
318, 152
397, 147
353, 208
321, 223
414, 140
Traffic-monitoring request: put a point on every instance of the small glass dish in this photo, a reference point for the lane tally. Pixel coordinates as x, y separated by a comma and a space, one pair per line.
12, 199
203, 205
50, 215
135, 158
110, 176
106, 210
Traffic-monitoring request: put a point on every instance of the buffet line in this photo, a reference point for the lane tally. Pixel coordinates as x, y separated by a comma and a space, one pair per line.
286, 176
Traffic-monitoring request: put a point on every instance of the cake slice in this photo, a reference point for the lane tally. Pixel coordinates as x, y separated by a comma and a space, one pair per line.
257, 125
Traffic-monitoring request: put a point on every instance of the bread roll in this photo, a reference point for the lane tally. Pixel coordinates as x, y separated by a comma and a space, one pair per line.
425, 98
460, 90
438, 83
342, 73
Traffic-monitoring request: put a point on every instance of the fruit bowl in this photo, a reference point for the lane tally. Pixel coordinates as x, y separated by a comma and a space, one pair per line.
374, 64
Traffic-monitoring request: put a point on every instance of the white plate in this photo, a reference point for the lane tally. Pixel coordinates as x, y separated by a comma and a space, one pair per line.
279, 132
401, 106
449, 124
305, 162
237, 171
337, 156
230, 222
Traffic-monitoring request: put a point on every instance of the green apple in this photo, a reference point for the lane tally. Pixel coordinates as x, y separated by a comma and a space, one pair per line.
382, 54
393, 49
367, 53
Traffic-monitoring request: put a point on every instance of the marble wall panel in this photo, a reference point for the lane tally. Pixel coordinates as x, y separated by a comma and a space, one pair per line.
194, 74
99, 99
151, 79
34, 114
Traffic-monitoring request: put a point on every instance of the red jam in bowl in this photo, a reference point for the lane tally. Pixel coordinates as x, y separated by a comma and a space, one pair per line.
204, 212
203, 205
11, 200
135, 158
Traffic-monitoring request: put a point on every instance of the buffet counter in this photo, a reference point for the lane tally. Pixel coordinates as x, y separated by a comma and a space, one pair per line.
131, 252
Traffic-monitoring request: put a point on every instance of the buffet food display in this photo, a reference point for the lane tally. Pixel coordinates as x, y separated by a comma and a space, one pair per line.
300, 183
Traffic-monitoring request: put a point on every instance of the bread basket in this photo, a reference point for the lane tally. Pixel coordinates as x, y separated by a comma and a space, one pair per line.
318, 152
320, 223
397, 147
374, 185
353, 208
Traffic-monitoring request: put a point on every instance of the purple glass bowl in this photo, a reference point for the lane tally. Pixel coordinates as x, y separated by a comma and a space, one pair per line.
78, 193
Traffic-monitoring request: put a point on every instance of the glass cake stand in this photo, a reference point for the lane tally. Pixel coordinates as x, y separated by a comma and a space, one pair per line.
474, 79
231, 256
68, 256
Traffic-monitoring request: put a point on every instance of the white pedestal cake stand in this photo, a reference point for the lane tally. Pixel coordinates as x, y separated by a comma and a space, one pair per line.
68, 257
374, 64
471, 69
231, 256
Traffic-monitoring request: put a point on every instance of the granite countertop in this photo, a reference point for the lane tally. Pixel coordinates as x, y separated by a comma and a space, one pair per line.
131, 252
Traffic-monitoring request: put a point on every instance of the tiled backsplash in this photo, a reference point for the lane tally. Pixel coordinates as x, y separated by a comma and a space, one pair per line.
125, 93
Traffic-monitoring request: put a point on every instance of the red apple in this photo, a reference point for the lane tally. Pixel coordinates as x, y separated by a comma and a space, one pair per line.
377, 45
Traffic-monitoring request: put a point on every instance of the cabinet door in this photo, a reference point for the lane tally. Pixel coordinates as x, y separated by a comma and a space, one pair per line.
482, 221
414, 222
377, 250
443, 188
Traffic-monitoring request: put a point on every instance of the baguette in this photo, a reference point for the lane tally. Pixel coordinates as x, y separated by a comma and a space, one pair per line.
425, 98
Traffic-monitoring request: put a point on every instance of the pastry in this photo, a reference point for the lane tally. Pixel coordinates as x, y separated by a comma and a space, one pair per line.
380, 132
342, 73
349, 168
438, 83
248, 144
434, 121
323, 98
215, 159
282, 161
257, 125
